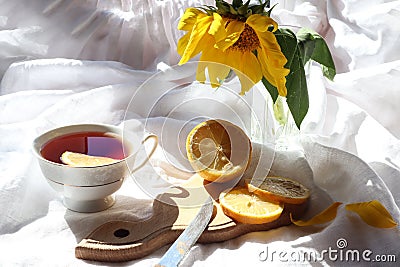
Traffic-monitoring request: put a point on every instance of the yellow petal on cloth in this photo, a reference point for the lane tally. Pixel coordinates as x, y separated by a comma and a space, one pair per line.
272, 61
233, 31
325, 216
261, 23
246, 67
189, 18
194, 45
217, 27
373, 213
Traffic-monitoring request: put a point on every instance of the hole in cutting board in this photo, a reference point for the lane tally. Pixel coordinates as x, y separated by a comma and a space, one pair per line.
121, 233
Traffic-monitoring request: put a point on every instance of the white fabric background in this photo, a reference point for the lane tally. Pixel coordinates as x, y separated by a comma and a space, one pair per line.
65, 62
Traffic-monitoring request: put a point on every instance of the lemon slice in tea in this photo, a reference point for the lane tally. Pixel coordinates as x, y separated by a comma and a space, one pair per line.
218, 150
82, 160
279, 189
246, 207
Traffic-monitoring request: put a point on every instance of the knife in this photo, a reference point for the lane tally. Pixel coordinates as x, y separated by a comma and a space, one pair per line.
189, 236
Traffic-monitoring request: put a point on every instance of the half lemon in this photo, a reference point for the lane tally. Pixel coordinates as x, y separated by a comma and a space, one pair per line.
218, 150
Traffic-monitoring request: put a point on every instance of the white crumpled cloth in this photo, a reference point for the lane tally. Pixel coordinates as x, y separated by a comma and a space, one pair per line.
66, 62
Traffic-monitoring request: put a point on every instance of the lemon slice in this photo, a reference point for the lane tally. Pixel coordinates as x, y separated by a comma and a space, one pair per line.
246, 207
218, 150
279, 189
82, 160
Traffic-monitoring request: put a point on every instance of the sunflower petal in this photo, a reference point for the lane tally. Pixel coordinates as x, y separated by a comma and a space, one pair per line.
217, 27
198, 32
218, 73
246, 67
233, 31
189, 18
373, 213
272, 61
201, 71
325, 216
262, 57
281, 86
182, 44
204, 60
213, 59
261, 23
251, 68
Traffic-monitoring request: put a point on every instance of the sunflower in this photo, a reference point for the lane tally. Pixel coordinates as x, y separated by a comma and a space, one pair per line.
245, 44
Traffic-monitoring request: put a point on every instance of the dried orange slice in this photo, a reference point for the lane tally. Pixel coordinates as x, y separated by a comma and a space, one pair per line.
246, 207
82, 160
279, 189
218, 150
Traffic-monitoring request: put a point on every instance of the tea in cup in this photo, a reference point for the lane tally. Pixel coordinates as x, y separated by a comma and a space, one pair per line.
87, 163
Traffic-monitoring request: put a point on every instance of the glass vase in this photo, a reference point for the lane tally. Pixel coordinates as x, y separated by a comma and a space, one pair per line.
286, 131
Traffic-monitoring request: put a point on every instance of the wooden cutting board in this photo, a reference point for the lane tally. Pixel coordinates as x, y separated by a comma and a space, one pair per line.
118, 241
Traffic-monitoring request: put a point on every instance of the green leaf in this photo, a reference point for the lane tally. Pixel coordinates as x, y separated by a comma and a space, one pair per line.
268, 13
306, 45
237, 3
232, 10
314, 47
298, 50
256, 9
296, 84
222, 6
243, 10
259, 9
271, 89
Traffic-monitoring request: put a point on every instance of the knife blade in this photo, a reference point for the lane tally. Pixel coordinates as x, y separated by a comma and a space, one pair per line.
188, 237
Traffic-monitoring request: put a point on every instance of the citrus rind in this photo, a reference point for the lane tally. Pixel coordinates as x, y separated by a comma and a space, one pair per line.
218, 150
279, 189
245, 207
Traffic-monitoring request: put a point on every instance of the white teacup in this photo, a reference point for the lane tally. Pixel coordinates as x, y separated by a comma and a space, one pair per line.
90, 189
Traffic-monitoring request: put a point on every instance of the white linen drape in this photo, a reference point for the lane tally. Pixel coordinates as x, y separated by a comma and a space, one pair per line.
64, 62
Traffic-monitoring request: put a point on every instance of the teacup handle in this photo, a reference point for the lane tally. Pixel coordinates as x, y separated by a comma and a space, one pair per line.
150, 136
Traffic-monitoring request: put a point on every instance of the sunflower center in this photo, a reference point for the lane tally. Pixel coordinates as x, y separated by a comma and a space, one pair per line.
248, 40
